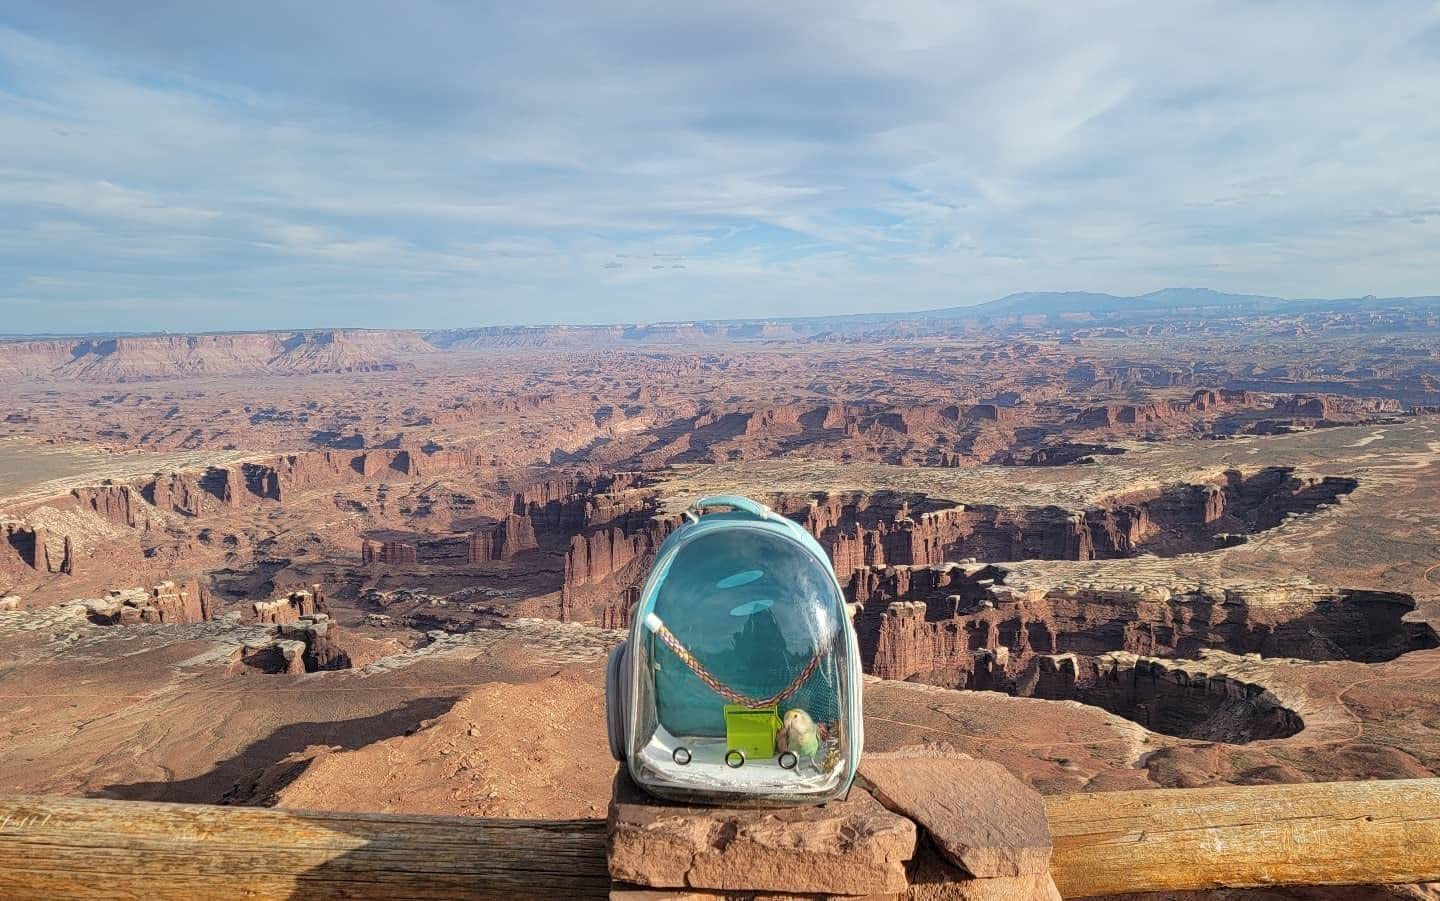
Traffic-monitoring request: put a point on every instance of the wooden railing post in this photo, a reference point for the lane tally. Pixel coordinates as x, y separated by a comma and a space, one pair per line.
1326, 833
1338, 833
69, 847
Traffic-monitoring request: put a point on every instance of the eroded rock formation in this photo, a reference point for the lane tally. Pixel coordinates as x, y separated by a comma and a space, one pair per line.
611, 533
512, 536
193, 493
1112, 415
876, 529
1128, 649
166, 603
26, 546
292, 607
394, 553
1177, 698
119, 504
927, 621
306, 644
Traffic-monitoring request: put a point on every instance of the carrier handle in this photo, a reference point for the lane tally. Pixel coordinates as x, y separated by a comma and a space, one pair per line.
656, 626
735, 501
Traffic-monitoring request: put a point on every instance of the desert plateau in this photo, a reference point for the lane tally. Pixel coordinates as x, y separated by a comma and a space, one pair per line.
381, 571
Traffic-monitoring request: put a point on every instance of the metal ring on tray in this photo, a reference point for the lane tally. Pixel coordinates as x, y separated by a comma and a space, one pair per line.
681, 756
789, 760
734, 758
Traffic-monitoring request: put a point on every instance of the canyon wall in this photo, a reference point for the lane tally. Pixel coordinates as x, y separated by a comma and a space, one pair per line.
151, 357
922, 434
1204, 400
873, 530
143, 504
1321, 407
932, 623
608, 557
1167, 658
1169, 697
195, 492
610, 536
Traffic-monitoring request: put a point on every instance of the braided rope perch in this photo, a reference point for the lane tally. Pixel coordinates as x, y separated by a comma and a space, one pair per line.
721, 688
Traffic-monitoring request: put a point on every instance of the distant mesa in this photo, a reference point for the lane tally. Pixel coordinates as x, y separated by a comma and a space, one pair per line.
152, 357
1070, 313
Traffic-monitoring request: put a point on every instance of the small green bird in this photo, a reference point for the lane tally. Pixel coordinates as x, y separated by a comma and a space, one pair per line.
799, 734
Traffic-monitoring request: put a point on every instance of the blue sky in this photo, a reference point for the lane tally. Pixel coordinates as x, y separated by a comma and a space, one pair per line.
201, 165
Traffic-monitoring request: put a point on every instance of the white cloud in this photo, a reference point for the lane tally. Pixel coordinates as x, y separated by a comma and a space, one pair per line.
441, 165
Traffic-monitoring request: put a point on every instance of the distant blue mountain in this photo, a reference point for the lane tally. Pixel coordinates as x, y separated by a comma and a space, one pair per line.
1164, 301
1055, 303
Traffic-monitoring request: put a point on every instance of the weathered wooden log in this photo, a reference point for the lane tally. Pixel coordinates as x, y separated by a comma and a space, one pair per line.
68, 847
1164, 840
1329, 833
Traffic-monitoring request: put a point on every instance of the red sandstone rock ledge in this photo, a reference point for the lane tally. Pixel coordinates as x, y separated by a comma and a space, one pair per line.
920, 824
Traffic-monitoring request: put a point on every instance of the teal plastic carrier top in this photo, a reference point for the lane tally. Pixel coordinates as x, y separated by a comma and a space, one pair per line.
740, 681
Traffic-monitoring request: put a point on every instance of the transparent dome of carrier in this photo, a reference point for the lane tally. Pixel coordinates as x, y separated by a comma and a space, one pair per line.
765, 625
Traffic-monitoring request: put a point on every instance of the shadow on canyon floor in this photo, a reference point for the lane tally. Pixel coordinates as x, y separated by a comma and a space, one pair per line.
255, 773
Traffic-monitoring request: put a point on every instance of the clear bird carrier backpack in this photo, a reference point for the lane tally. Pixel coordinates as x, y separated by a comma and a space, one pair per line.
740, 681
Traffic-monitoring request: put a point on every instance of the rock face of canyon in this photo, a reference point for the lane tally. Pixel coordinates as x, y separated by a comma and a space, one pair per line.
612, 535
512, 536
927, 621
1132, 414
875, 530
31, 547
1129, 650
1171, 698
151, 503
152, 357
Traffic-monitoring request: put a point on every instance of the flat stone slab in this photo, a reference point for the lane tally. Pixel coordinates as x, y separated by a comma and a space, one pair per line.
849, 847
980, 817
933, 878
